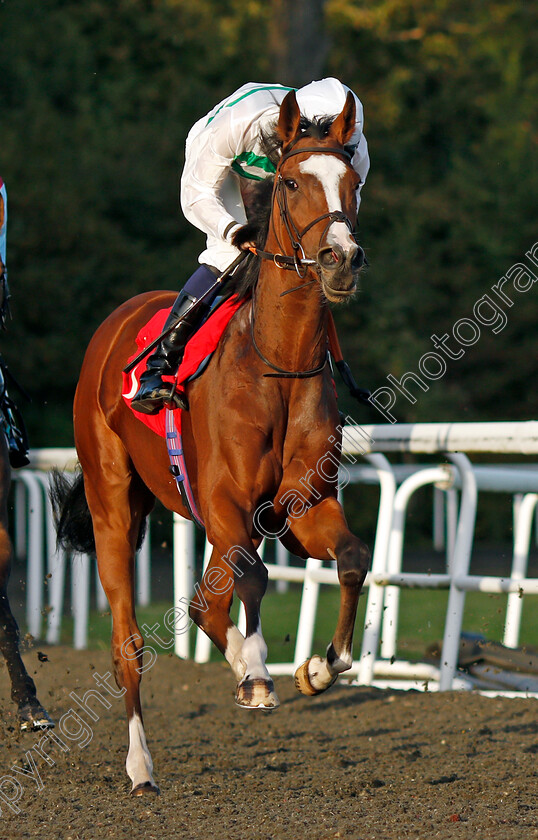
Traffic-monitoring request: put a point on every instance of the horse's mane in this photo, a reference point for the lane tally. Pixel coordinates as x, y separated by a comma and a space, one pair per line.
257, 198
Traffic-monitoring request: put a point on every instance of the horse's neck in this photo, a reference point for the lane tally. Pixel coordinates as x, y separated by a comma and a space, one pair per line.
291, 330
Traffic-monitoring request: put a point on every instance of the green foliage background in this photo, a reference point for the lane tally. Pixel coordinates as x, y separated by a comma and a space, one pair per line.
96, 100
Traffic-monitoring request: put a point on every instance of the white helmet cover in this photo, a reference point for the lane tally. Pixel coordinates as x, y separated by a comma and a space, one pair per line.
313, 100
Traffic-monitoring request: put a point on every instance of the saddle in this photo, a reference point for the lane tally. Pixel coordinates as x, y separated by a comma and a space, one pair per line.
198, 352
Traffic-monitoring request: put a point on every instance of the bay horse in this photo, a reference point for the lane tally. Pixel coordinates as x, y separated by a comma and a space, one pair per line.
32, 715
262, 416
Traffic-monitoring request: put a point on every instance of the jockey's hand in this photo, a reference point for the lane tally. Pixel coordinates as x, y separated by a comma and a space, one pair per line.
244, 237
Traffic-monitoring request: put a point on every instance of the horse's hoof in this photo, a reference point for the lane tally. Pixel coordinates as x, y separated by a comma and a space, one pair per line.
257, 694
304, 678
144, 788
34, 717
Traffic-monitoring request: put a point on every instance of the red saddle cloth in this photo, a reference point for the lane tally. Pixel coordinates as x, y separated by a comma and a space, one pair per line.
201, 345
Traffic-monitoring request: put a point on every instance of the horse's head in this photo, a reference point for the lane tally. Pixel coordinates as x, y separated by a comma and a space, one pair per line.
316, 190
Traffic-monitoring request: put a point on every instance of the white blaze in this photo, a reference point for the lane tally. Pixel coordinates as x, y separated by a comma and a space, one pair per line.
329, 170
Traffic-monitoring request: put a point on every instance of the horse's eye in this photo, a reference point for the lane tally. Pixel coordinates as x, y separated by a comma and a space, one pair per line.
291, 184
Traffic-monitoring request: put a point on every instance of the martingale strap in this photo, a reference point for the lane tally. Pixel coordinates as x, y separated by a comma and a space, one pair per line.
178, 468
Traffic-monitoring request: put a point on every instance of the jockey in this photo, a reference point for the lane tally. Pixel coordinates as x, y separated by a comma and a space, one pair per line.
221, 149
4, 294
10, 419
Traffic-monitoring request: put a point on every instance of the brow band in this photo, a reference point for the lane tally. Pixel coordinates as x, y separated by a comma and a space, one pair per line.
329, 149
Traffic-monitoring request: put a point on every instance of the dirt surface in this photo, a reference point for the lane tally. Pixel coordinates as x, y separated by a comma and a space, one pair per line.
354, 763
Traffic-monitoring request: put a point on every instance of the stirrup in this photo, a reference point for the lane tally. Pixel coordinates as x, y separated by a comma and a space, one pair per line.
176, 399
158, 398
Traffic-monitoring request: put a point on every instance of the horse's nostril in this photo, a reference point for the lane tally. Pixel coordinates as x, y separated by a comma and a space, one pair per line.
331, 257
358, 259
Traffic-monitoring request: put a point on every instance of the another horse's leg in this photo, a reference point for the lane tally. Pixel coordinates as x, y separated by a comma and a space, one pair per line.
118, 503
236, 564
324, 534
23, 691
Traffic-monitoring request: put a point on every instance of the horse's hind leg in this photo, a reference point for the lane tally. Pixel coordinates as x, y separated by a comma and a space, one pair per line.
23, 691
323, 533
210, 609
118, 503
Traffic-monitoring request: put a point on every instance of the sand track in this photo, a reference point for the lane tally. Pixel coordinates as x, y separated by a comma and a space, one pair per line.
353, 763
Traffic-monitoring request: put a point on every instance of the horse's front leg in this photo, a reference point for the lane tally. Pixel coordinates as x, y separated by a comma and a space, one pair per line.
323, 533
31, 713
235, 563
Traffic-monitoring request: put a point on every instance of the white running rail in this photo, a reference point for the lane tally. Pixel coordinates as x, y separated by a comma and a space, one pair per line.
34, 536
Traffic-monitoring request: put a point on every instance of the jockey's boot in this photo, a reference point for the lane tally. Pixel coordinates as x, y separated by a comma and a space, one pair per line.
153, 392
15, 432
12, 425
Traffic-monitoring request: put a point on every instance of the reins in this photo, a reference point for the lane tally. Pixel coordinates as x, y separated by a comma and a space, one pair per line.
282, 372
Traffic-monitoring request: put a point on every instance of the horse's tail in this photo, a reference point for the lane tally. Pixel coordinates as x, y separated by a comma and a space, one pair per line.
74, 528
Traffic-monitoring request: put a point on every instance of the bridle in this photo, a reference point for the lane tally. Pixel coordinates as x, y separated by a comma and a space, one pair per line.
299, 262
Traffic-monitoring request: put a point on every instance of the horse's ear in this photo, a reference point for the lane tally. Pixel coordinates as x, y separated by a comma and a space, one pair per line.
289, 119
344, 125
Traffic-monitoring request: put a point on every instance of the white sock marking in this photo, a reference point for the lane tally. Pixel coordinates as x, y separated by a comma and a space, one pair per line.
247, 656
254, 654
139, 765
234, 643
343, 662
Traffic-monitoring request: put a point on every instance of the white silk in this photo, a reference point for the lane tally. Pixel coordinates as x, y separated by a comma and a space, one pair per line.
210, 189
